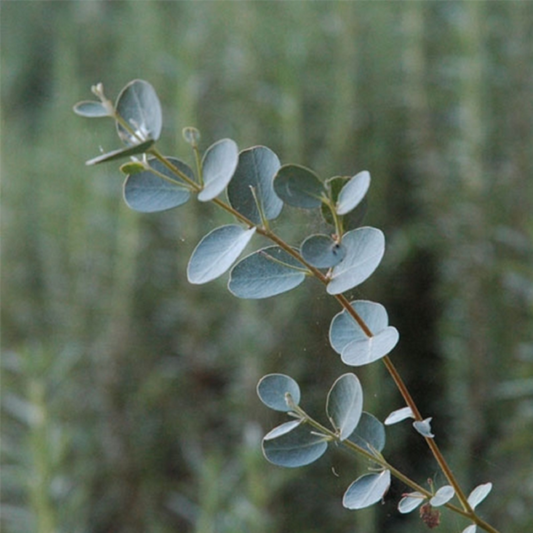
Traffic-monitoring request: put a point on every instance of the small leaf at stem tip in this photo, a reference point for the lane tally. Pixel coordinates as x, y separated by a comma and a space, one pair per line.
442, 496
216, 252
140, 108
479, 494
351, 220
298, 446
191, 135
273, 388
399, 415
424, 427
299, 187
345, 405
410, 502
353, 192
470, 529
218, 166
121, 153
91, 109
367, 490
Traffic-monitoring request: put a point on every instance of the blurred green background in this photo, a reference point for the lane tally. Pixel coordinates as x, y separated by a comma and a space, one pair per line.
128, 396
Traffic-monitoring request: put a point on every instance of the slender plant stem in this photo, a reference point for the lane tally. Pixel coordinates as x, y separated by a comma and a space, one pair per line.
404, 391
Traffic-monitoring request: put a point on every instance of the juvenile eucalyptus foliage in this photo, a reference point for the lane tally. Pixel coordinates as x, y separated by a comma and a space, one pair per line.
256, 186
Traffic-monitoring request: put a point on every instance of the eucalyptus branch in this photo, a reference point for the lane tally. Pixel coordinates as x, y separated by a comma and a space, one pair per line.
259, 187
467, 511
343, 301
376, 458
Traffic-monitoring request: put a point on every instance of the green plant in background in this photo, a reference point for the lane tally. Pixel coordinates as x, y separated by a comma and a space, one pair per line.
257, 187
39, 449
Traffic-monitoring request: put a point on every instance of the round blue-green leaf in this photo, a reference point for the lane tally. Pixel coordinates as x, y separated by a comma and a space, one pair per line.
298, 446
366, 351
367, 490
283, 429
442, 496
322, 251
424, 427
272, 390
399, 415
479, 494
345, 404
410, 502
216, 252
121, 153
353, 192
148, 193
139, 106
298, 186
218, 166
364, 250
344, 329
91, 109
252, 183
351, 220
369, 433
265, 273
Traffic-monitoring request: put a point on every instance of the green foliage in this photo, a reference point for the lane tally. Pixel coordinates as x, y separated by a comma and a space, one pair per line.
298, 186
352, 193
273, 390
322, 251
257, 186
251, 190
364, 250
479, 494
216, 252
367, 490
218, 166
425, 107
140, 112
369, 434
265, 273
443, 495
293, 445
344, 330
157, 188
351, 341
345, 405
121, 153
